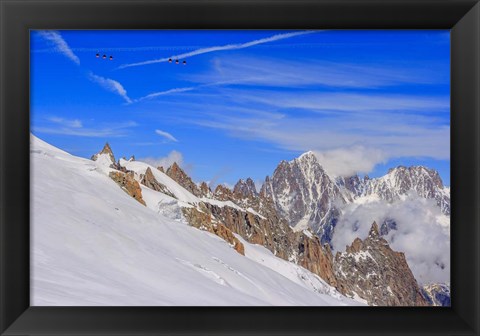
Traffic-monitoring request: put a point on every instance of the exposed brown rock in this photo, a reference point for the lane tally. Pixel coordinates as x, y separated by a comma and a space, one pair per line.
128, 184
205, 190
178, 175
223, 193
149, 180
376, 273
274, 233
245, 189
161, 169
203, 220
106, 150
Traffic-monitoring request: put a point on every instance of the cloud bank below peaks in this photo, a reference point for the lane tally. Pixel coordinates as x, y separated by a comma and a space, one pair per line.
422, 233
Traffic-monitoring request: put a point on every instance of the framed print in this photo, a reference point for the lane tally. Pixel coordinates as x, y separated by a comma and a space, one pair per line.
293, 165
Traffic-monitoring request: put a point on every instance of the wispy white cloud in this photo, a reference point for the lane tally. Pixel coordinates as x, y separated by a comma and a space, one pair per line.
164, 161
305, 72
60, 44
111, 85
166, 135
200, 51
164, 93
59, 126
370, 136
71, 123
345, 102
348, 161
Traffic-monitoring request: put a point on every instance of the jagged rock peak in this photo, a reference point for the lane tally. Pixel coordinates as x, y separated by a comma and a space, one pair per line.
160, 168
106, 150
376, 273
373, 233
418, 171
149, 180
178, 175
223, 193
132, 158
302, 192
310, 155
245, 188
205, 190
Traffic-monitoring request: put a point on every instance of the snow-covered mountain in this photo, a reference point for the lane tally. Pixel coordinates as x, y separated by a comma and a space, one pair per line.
93, 244
398, 182
305, 195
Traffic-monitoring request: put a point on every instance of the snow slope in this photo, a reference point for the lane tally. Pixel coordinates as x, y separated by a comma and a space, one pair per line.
92, 244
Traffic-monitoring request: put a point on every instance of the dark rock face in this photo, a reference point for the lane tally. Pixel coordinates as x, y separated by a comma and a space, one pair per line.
178, 175
127, 182
376, 273
148, 180
437, 294
303, 193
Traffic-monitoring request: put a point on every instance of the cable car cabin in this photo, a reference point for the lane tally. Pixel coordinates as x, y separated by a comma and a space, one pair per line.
104, 56
111, 58
97, 55
184, 62
169, 60
176, 61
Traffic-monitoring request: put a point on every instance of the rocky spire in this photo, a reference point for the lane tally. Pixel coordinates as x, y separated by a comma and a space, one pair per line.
371, 270
245, 189
373, 233
106, 150
178, 175
205, 190
223, 193
149, 180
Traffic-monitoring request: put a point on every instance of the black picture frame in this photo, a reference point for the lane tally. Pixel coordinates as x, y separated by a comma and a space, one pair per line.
17, 17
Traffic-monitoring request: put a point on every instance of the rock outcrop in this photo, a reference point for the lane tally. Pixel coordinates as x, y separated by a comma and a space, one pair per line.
245, 189
371, 270
204, 221
273, 233
107, 151
149, 180
178, 175
205, 190
223, 193
127, 182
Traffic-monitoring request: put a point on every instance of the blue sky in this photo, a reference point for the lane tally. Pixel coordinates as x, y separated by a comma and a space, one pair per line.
363, 101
